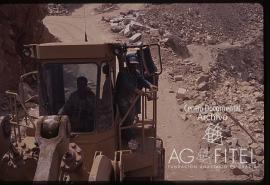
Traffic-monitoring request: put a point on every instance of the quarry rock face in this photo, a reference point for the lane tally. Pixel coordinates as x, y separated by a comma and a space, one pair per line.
19, 25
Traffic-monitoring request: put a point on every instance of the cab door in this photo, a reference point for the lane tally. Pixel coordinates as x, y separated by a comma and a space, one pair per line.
51, 88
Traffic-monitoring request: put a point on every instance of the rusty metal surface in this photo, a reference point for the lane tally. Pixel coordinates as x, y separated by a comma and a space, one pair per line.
71, 50
89, 144
140, 159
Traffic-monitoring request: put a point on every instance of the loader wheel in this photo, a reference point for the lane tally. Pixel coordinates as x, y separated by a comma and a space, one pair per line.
102, 169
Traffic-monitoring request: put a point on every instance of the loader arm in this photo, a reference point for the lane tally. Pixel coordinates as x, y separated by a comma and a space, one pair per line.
52, 136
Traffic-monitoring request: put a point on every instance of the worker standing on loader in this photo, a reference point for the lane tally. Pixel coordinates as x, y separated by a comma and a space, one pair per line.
127, 89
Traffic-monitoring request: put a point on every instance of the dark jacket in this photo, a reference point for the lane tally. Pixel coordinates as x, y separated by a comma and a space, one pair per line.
127, 83
81, 111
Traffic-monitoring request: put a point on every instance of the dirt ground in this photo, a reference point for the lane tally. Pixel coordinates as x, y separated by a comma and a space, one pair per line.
175, 132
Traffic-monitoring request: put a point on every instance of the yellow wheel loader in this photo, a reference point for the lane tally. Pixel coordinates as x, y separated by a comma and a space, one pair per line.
45, 147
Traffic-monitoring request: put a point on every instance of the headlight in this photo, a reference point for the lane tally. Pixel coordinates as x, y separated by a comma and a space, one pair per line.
27, 52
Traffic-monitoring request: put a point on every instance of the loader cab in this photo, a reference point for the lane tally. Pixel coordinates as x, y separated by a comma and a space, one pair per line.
61, 67
60, 93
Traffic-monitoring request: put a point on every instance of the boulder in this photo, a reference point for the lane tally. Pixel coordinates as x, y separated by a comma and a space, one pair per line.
259, 158
130, 12
154, 32
126, 21
259, 151
253, 146
137, 26
139, 43
136, 37
203, 86
116, 28
114, 24
153, 24
177, 46
123, 13
161, 31
181, 93
184, 117
259, 137
197, 68
241, 171
131, 17
117, 20
106, 19
127, 31
188, 61
210, 40
259, 171
202, 78
259, 96
121, 33
178, 78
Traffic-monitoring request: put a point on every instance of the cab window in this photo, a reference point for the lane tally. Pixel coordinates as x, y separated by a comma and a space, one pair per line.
105, 104
70, 89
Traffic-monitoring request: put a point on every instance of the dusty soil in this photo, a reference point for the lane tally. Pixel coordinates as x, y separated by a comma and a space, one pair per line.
71, 28
176, 133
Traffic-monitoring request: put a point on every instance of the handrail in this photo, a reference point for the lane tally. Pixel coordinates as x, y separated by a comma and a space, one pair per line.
17, 97
143, 116
27, 74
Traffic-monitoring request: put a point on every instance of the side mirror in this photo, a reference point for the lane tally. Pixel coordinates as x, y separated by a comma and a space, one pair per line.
29, 51
155, 51
147, 51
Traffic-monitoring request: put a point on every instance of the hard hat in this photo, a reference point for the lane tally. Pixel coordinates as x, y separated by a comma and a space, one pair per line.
132, 58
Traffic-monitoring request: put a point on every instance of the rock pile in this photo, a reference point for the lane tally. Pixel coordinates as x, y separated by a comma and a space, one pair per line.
106, 7
234, 79
126, 24
249, 57
57, 9
129, 24
206, 23
61, 9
